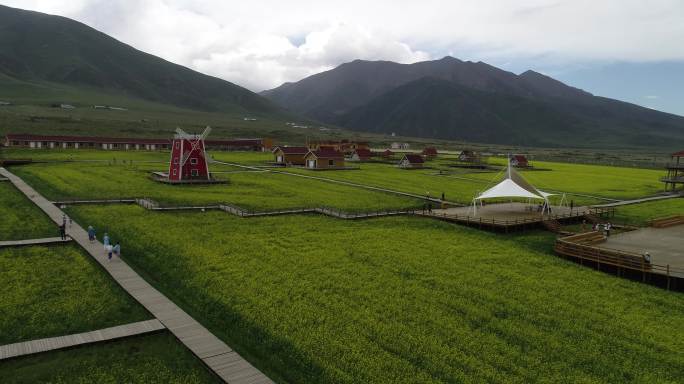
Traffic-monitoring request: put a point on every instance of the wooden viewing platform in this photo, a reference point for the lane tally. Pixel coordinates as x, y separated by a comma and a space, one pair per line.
28, 242
511, 216
624, 252
214, 353
52, 343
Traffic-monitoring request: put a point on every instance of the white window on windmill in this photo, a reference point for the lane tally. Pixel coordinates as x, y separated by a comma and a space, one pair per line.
193, 161
177, 144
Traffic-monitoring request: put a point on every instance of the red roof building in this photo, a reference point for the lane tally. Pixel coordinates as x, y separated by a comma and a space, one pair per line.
387, 154
324, 158
675, 173
361, 154
290, 155
411, 161
519, 161
430, 152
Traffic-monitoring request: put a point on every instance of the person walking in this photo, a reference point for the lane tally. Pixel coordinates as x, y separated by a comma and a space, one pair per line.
64, 219
109, 250
62, 231
91, 233
116, 250
608, 227
584, 225
429, 207
572, 205
442, 196
105, 241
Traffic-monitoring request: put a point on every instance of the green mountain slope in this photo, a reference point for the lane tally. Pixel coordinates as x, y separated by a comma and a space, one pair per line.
36, 48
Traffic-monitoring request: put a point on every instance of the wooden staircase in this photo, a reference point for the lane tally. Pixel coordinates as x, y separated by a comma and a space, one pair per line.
555, 227
667, 221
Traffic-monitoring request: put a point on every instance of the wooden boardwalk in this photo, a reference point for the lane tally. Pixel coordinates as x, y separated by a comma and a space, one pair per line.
27, 242
52, 343
637, 201
216, 354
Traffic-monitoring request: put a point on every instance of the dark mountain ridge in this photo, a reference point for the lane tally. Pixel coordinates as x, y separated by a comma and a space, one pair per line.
454, 99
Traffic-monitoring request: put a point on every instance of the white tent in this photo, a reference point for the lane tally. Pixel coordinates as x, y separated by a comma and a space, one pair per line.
513, 186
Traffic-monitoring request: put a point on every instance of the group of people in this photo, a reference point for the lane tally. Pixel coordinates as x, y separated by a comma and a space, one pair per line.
109, 249
606, 228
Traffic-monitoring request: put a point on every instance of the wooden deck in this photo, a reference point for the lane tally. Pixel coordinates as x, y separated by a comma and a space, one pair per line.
27, 242
216, 354
52, 343
509, 216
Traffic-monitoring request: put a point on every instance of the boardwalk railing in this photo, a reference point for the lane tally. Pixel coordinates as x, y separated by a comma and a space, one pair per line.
583, 247
515, 222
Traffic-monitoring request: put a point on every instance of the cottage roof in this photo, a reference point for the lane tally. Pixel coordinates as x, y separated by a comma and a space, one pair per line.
413, 158
363, 152
326, 153
678, 154
292, 150
430, 151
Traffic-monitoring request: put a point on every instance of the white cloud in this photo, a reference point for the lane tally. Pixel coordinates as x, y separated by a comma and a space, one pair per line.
260, 44
651, 97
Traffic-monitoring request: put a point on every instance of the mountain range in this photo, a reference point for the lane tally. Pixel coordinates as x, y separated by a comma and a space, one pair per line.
454, 99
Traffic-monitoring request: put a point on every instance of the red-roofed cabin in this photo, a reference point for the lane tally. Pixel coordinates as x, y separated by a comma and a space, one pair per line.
290, 155
430, 152
361, 154
519, 161
324, 158
387, 154
411, 161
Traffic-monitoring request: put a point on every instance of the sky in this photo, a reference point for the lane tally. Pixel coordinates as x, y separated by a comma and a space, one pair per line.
625, 49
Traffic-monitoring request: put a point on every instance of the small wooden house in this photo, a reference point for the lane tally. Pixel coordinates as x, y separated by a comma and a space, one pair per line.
324, 158
290, 155
430, 152
361, 154
411, 161
469, 157
387, 154
519, 161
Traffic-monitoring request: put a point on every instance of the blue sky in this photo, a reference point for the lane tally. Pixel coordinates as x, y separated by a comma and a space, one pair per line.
629, 50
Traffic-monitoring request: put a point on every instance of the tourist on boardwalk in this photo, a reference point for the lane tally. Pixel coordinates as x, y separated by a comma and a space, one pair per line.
647, 258
62, 231
442, 196
584, 225
429, 207
607, 229
116, 250
91, 233
64, 219
105, 240
109, 249
572, 205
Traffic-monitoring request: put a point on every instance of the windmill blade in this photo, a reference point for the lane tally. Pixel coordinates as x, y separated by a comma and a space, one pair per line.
181, 133
206, 133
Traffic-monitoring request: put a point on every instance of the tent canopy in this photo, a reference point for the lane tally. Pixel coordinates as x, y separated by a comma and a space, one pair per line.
513, 185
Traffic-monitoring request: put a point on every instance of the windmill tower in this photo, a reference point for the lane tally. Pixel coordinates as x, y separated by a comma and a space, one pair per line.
188, 157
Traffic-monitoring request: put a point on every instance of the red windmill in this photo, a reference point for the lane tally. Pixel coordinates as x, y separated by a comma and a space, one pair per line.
188, 157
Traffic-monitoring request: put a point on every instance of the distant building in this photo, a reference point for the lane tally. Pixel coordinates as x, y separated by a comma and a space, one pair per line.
396, 145
386, 154
519, 161
344, 146
430, 152
361, 154
411, 161
324, 158
469, 156
290, 155
5, 103
675, 173
118, 143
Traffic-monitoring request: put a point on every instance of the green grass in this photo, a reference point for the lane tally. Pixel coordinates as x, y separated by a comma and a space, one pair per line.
255, 191
21, 219
639, 214
157, 358
58, 290
314, 299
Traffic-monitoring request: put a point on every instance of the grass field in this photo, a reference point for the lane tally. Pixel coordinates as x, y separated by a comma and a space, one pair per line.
157, 358
58, 290
639, 214
251, 190
21, 219
314, 299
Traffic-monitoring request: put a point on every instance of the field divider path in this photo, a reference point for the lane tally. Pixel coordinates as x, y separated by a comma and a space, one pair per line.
13, 350
27, 242
637, 201
215, 353
347, 183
